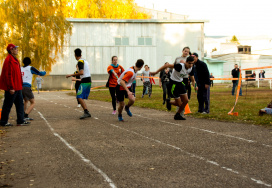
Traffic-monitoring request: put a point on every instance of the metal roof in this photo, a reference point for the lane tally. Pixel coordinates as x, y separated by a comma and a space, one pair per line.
98, 20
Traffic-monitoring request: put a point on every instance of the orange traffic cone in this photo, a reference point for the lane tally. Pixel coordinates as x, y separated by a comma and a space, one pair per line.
187, 109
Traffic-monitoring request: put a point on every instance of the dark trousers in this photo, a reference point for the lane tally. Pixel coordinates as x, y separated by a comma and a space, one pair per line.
17, 99
133, 87
164, 89
77, 87
113, 97
235, 84
203, 97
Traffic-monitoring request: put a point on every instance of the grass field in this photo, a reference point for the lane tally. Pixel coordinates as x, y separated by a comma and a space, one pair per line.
221, 103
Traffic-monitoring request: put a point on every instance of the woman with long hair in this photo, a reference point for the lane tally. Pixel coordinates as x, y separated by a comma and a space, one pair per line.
114, 70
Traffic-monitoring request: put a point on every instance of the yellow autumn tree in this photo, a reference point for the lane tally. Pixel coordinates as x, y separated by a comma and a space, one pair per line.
38, 27
113, 9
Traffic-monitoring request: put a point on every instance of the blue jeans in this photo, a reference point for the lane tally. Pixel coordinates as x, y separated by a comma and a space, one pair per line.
233, 88
17, 99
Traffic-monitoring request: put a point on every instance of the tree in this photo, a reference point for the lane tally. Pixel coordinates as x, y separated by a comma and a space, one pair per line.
234, 39
38, 27
113, 9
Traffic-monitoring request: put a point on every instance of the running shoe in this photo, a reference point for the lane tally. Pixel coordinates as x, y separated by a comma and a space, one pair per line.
85, 115
168, 104
7, 125
178, 117
28, 119
114, 112
120, 118
25, 123
79, 105
128, 111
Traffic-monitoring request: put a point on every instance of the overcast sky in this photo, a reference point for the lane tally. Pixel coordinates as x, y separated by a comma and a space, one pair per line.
226, 18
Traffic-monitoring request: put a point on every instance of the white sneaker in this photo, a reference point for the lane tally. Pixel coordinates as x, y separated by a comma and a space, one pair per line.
78, 105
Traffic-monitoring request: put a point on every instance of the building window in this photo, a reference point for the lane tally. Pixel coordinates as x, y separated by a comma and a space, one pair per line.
121, 41
147, 41
244, 49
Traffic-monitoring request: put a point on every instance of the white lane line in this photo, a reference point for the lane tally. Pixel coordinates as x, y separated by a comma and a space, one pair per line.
193, 155
107, 179
204, 130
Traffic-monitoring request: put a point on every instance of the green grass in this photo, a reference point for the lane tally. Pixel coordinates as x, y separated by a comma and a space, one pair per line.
221, 103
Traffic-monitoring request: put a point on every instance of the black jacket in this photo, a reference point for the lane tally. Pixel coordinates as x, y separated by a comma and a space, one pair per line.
235, 74
202, 74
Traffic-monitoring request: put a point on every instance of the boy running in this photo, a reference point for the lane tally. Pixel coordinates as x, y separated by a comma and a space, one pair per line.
27, 74
85, 85
123, 88
176, 86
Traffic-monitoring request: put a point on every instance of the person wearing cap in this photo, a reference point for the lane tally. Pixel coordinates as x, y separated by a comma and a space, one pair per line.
27, 74
11, 82
202, 77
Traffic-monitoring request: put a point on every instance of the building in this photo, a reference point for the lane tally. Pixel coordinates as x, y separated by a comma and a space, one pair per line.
154, 41
250, 52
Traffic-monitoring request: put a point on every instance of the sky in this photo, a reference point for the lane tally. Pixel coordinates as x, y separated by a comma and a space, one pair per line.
226, 18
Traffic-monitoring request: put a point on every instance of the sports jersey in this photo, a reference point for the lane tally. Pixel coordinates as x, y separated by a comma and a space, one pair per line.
179, 72
128, 76
84, 65
118, 69
27, 74
178, 59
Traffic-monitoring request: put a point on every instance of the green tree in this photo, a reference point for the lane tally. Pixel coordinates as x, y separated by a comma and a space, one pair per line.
38, 27
234, 39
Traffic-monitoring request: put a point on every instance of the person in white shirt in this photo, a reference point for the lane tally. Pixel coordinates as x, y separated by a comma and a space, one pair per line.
176, 86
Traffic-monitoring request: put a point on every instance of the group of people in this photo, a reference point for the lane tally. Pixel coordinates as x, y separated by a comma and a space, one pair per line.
175, 79
16, 81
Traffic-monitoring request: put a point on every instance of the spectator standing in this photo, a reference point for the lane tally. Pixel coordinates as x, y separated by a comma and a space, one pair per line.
114, 70
261, 74
235, 74
133, 88
12, 83
39, 81
202, 77
164, 80
27, 74
211, 76
146, 81
253, 76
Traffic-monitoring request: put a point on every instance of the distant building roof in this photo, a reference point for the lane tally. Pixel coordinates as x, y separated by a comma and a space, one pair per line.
98, 20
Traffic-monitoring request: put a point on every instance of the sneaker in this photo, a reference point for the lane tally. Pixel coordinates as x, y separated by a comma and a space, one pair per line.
114, 112
120, 118
128, 111
85, 115
142, 96
168, 104
204, 113
25, 123
182, 112
178, 117
7, 125
28, 119
79, 105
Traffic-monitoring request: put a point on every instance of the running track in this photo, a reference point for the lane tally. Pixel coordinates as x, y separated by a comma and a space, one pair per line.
149, 149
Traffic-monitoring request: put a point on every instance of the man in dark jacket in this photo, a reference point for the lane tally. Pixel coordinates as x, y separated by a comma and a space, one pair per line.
235, 74
202, 77
11, 81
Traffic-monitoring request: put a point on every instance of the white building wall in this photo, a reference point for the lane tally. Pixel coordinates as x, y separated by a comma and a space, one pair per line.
97, 42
